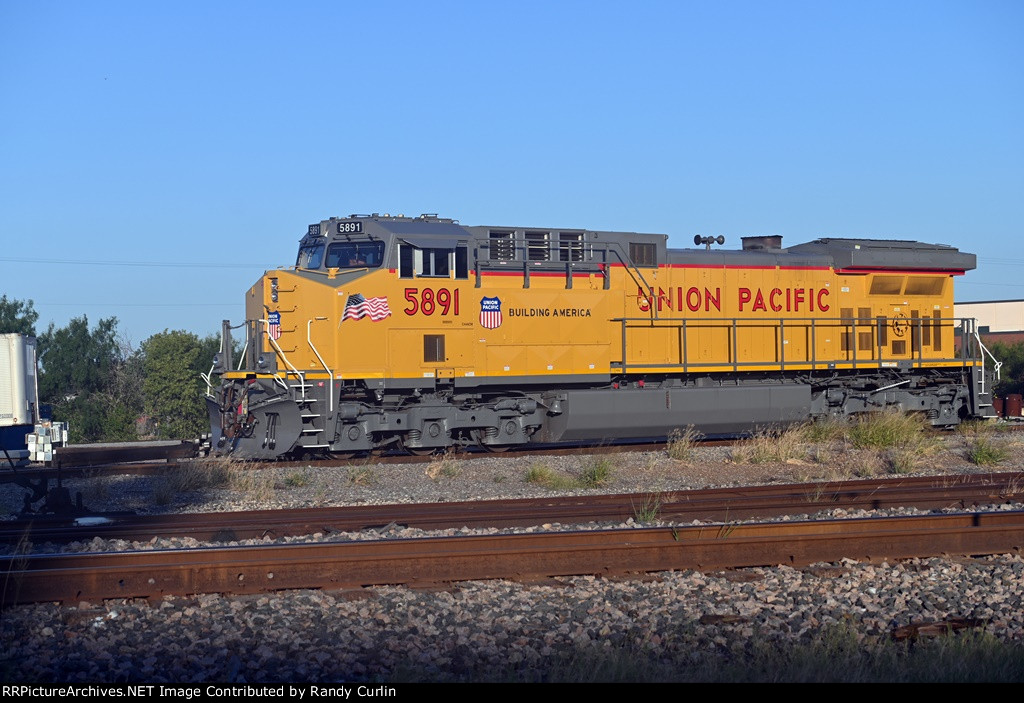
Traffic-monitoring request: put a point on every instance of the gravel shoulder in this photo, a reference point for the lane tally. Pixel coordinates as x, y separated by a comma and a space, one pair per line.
677, 621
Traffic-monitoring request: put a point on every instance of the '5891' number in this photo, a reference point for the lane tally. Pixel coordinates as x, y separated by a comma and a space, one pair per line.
428, 301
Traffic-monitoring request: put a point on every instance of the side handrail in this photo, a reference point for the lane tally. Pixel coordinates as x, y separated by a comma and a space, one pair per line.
811, 327
309, 340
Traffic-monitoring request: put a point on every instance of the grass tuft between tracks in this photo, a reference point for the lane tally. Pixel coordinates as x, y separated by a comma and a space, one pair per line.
682, 443
210, 473
596, 475
982, 446
444, 465
837, 655
543, 475
871, 442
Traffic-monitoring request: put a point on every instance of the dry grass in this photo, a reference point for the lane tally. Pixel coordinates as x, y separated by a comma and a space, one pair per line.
885, 430
212, 473
543, 475
865, 463
97, 485
297, 479
772, 446
598, 474
830, 654
444, 465
868, 445
973, 429
256, 485
362, 476
823, 431
682, 443
822, 454
982, 444
195, 476
903, 460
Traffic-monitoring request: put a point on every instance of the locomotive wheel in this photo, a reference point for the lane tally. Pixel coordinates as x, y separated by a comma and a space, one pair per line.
416, 451
496, 448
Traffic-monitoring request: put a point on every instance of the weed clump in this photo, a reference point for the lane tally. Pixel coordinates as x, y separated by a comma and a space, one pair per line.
770, 446
597, 474
649, 509
297, 479
543, 475
362, 476
885, 430
682, 443
982, 451
212, 473
445, 465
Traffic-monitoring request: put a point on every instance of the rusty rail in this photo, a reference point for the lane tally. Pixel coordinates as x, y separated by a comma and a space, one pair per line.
75, 577
927, 492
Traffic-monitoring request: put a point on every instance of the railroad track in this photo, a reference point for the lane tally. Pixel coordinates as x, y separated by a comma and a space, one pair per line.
140, 458
99, 463
722, 504
439, 560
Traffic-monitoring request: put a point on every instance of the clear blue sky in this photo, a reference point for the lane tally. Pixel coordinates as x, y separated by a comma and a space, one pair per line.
189, 144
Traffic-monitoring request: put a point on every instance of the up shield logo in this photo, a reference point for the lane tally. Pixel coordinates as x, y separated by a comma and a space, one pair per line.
274, 324
490, 313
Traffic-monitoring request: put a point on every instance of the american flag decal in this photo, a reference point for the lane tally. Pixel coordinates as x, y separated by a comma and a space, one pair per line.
274, 325
358, 306
490, 313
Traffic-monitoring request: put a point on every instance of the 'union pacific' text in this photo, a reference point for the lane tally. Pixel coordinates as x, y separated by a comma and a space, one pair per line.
747, 299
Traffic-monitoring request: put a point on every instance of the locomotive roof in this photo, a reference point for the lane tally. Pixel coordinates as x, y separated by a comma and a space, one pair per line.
888, 253
841, 253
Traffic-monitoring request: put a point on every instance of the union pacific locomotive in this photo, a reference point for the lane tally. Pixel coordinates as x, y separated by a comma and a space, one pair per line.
418, 333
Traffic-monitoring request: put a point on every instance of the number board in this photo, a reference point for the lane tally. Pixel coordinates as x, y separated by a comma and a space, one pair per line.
313, 231
350, 227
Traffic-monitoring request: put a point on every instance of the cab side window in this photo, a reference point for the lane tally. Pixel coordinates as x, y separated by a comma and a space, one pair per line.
416, 262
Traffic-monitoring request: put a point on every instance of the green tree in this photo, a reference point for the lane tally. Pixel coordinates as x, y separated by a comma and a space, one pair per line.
17, 316
172, 388
75, 360
1012, 372
86, 376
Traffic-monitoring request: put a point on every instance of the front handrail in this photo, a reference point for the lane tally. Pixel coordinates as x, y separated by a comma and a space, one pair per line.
284, 357
309, 339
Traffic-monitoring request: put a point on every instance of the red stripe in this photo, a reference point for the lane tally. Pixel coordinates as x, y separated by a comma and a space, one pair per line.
862, 270
751, 268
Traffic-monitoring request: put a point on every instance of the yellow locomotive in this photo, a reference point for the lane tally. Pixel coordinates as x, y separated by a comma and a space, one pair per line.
421, 333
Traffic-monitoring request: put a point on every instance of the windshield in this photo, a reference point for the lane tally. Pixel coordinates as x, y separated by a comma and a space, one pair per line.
343, 255
310, 256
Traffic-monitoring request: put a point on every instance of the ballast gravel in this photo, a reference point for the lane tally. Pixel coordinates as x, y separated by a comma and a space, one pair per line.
497, 630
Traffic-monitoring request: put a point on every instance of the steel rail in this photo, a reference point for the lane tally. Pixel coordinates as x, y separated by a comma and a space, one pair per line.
952, 492
437, 560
